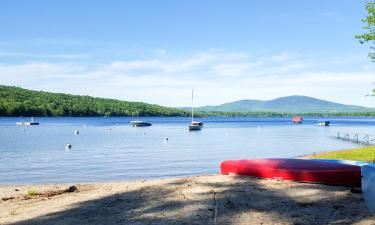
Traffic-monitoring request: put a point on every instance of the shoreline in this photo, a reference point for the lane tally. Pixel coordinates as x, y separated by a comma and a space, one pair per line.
206, 199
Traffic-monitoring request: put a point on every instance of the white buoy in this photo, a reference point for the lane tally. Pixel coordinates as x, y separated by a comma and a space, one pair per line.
76, 132
109, 128
68, 146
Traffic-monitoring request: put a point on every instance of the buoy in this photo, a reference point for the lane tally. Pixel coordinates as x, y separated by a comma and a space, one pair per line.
166, 139
76, 132
68, 146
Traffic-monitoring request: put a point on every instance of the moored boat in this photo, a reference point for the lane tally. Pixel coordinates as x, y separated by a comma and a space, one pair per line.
194, 125
324, 123
30, 123
312, 171
139, 123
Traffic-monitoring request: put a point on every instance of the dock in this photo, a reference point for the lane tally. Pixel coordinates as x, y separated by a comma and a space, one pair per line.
360, 138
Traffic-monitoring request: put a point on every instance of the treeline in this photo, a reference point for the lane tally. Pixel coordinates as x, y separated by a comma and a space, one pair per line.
16, 101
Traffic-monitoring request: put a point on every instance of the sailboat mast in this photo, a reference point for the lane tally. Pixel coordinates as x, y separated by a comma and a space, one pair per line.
192, 105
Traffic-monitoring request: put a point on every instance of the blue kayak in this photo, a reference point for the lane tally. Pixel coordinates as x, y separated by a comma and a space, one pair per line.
368, 186
347, 162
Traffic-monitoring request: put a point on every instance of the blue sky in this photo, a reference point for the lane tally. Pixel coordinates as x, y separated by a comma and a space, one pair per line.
157, 51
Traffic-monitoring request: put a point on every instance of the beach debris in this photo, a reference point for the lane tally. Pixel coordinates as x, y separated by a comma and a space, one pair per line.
72, 189
7, 198
50, 193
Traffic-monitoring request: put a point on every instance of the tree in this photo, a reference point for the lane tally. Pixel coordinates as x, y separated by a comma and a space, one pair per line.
369, 36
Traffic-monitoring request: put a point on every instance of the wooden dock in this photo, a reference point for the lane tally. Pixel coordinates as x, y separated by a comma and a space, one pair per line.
364, 139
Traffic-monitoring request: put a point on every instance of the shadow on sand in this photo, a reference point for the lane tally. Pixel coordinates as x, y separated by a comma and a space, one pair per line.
219, 199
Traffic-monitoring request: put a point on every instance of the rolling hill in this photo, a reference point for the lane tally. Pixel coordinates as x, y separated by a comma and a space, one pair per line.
289, 104
15, 101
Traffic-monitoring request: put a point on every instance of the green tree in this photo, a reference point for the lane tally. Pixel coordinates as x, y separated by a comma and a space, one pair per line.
369, 36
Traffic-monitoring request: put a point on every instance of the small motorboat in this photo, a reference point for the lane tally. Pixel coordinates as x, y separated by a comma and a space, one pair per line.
30, 123
301, 170
139, 123
324, 123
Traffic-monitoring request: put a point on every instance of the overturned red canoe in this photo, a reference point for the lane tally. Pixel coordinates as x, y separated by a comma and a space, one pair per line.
303, 170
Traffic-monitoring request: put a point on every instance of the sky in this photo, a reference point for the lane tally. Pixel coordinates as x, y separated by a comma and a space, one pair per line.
158, 51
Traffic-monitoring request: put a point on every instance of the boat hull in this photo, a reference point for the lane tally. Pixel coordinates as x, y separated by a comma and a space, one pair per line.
140, 124
27, 123
368, 186
312, 171
347, 162
194, 127
324, 123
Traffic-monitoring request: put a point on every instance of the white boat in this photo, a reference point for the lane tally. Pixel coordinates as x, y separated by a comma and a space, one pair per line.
324, 123
31, 123
368, 186
139, 123
194, 125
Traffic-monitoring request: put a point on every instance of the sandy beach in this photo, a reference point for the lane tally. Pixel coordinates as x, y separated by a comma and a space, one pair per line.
209, 199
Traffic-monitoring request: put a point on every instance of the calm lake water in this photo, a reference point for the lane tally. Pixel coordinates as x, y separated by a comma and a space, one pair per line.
37, 154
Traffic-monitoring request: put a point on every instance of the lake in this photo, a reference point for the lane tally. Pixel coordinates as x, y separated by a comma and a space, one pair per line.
108, 149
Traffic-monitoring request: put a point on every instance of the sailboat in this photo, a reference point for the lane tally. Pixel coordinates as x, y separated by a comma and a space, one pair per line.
195, 125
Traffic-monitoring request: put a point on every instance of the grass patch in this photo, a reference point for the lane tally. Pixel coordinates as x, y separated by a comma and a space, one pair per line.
366, 154
32, 193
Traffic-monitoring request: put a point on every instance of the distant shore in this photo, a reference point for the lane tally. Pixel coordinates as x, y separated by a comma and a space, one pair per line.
208, 199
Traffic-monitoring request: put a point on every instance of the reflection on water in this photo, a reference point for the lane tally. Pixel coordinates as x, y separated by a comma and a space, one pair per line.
37, 154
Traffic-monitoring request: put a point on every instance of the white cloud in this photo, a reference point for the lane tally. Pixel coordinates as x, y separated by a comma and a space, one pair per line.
216, 76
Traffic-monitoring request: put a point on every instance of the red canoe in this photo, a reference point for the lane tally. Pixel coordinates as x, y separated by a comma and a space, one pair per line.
302, 170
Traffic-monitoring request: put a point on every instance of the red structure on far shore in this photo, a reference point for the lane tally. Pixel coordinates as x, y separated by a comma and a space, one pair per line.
297, 119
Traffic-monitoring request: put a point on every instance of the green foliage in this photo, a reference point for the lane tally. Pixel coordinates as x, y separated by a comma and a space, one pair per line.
16, 101
369, 21
31, 193
366, 154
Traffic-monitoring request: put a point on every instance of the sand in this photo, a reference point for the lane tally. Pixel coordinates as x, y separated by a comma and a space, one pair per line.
209, 199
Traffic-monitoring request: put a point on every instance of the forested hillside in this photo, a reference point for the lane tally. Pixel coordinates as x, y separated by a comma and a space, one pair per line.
16, 101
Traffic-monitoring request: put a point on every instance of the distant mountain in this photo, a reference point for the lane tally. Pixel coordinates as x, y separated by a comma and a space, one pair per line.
289, 104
